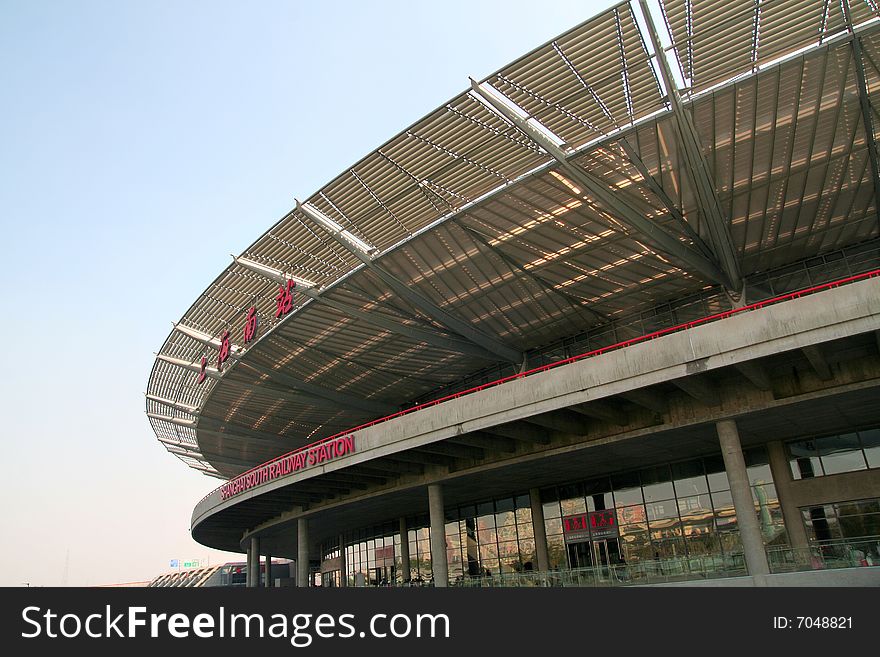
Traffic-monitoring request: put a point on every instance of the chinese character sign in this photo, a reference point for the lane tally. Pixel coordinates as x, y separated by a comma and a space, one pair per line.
202, 370
223, 354
284, 300
250, 325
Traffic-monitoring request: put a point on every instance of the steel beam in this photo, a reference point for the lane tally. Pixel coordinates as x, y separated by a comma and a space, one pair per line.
697, 167
458, 326
313, 390
865, 106
380, 320
615, 203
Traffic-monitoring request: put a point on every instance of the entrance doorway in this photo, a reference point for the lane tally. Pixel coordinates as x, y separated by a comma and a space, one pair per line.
382, 576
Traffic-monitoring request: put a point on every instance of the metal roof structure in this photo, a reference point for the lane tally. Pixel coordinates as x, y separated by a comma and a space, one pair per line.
587, 180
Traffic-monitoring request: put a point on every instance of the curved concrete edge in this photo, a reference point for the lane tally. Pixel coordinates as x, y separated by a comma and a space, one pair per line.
819, 317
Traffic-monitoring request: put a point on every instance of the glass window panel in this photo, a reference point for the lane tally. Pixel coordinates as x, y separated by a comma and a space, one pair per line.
509, 565
484, 522
556, 554
525, 530
627, 489
841, 453
657, 483
490, 567
507, 533
508, 549
523, 502
715, 473
725, 515
631, 514
524, 516
695, 505
858, 508
485, 509
572, 505
505, 519
552, 510
764, 494
527, 551
505, 504
689, 478
871, 444
755, 456
598, 494
668, 547
488, 551
553, 526
860, 526
487, 535
661, 510
804, 460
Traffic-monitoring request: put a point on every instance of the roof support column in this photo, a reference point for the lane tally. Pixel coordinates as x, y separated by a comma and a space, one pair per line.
865, 105
439, 565
302, 552
741, 492
697, 166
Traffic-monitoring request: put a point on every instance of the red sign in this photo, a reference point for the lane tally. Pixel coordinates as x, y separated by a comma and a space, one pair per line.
250, 325
284, 300
202, 371
223, 354
590, 526
293, 462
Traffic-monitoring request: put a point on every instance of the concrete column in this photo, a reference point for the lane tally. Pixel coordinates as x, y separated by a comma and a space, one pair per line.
438, 536
268, 580
404, 551
746, 518
253, 563
343, 580
302, 552
794, 522
540, 531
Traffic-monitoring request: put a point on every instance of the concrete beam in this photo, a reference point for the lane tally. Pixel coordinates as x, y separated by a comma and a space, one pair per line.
756, 373
485, 441
601, 410
563, 420
647, 398
817, 361
523, 432
699, 388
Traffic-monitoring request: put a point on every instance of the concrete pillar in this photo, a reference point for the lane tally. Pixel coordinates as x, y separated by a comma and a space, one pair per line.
438, 536
253, 563
741, 492
540, 531
794, 522
302, 552
268, 579
343, 580
404, 551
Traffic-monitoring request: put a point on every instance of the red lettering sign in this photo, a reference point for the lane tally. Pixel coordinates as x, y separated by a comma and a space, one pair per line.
250, 325
284, 300
202, 371
223, 355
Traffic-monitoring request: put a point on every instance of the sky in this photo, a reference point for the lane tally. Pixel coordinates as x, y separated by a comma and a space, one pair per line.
140, 144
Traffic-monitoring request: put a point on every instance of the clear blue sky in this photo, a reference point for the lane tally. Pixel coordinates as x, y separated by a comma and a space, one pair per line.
140, 144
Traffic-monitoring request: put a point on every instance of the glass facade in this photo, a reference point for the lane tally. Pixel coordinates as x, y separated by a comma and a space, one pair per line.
672, 511
828, 455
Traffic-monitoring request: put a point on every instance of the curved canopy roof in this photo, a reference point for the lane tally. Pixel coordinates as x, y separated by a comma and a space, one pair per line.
586, 180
